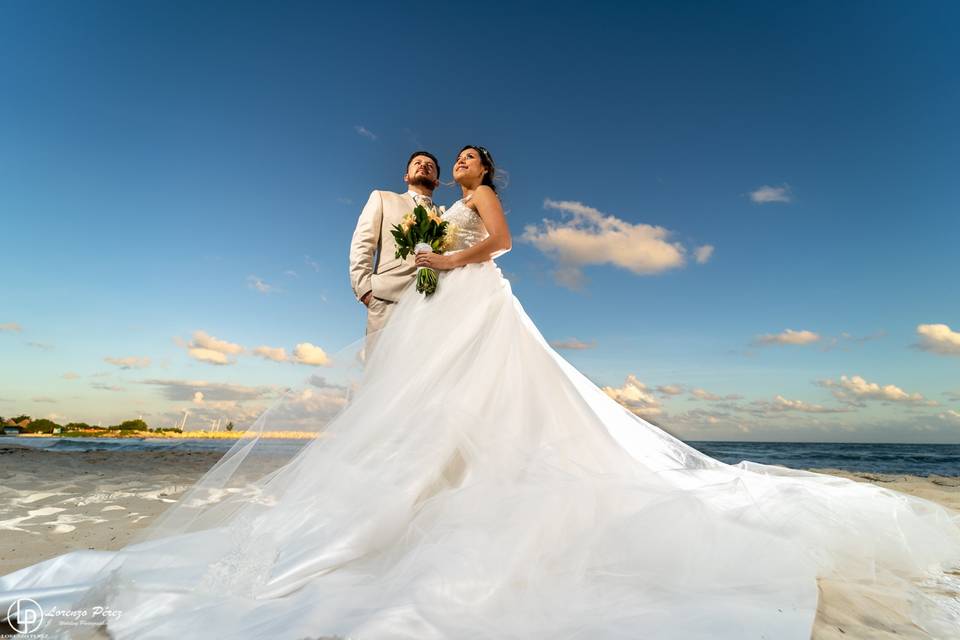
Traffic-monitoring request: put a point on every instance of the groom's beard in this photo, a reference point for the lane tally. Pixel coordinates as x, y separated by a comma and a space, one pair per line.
423, 181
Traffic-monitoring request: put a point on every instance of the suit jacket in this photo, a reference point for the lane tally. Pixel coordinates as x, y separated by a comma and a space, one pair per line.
373, 265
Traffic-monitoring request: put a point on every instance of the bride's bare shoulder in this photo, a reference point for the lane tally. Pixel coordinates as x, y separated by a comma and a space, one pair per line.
482, 195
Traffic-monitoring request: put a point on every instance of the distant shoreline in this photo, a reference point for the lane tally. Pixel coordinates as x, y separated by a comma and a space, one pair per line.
166, 435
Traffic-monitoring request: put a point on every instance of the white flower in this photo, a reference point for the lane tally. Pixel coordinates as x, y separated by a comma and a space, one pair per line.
450, 236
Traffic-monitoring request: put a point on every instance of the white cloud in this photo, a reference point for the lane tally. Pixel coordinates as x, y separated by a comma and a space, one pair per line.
950, 416
784, 404
635, 396
786, 337
129, 362
855, 390
592, 237
703, 254
323, 383
700, 417
306, 353
310, 262
12, 327
70, 375
670, 389
767, 194
572, 344
259, 285
774, 417
765, 410
102, 386
42, 346
211, 401
789, 426
209, 355
203, 340
366, 133
46, 399
291, 273
186, 390
307, 409
277, 354
702, 394
938, 338
207, 348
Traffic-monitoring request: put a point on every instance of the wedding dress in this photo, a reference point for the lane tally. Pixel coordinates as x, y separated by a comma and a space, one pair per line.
471, 484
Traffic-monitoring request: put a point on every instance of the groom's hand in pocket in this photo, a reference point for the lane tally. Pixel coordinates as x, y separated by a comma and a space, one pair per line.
367, 297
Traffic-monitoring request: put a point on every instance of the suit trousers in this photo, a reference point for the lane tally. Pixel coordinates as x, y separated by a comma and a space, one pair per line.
377, 313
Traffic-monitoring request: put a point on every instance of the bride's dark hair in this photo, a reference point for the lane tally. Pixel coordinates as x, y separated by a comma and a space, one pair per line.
487, 161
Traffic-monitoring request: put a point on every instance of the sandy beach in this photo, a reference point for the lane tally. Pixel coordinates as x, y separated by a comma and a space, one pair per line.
54, 502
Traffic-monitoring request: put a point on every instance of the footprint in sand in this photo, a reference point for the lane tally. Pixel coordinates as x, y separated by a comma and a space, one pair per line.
11, 524
65, 522
34, 497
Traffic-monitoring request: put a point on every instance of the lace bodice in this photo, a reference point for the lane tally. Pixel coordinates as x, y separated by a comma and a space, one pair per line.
465, 227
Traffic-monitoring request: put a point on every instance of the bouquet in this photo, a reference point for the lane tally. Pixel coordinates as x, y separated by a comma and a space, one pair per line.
422, 230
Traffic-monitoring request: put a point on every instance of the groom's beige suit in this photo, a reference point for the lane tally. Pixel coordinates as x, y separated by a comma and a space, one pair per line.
374, 266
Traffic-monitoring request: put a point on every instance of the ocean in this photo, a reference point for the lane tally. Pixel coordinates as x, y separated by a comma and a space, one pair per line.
910, 459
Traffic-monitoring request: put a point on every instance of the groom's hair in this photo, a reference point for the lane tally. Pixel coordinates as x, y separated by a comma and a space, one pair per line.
429, 155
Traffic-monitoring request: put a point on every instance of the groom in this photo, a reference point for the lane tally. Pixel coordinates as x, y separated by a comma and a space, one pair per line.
377, 276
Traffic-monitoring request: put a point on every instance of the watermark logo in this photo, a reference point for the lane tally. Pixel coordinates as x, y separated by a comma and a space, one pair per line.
26, 616
27, 613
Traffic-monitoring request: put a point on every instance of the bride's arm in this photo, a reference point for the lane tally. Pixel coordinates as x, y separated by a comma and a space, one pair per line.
495, 244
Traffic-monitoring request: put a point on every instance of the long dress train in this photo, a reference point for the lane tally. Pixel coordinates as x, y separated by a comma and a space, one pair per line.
476, 486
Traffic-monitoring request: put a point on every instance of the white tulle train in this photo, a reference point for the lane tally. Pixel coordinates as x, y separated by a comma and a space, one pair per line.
476, 486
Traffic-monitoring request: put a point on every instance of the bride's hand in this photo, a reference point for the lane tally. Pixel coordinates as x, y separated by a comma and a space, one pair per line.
436, 261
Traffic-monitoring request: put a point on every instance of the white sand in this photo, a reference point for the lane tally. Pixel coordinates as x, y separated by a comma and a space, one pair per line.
51, 503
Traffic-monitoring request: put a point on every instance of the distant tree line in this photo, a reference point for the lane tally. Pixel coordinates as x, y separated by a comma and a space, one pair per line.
43, 425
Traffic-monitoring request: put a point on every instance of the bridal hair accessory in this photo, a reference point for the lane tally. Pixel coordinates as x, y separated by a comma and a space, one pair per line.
486, 153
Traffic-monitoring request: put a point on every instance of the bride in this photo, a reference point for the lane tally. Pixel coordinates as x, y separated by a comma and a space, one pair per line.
471, 484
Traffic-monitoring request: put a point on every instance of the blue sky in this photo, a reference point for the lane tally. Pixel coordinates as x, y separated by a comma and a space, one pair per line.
168, 168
